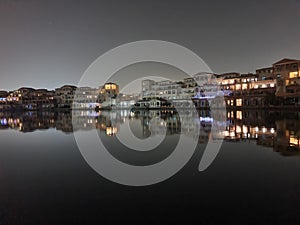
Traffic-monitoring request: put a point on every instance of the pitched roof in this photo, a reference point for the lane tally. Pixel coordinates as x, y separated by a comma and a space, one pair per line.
285, 60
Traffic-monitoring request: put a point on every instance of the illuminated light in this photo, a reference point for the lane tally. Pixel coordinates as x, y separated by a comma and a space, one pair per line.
3, 121
239, 102
238, 87
206, 119
245, 129
272, 130
238, 129
272, 85
244, 86
264, 86
232, 134
256, 129
239, 115
294, 141
287, 82
264, 130
110, 131
293, 74
226, 133
231, 81
255, 86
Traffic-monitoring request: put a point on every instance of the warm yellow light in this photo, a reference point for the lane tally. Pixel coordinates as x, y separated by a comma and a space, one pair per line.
294, 141
239, 102
239, 115
238, 87
272, 130
224, 82
110, 131
294, 74
244, 86
245, 129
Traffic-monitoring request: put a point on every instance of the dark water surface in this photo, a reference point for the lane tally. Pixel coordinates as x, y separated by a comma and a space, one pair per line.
255, 178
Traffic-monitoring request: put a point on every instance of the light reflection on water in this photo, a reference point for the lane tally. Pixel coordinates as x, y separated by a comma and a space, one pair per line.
277, 130
45, 180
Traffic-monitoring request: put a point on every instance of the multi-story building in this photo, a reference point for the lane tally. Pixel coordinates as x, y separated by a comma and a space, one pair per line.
188, 87
3, 94
108, 92
165, 89
85, 98
64, 96
287, 73
126, 100
44, 99
265, 73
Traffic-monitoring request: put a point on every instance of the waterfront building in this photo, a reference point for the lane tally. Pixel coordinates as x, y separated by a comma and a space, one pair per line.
188, 87
64, 96
108, 92
126, 100
165, 89
85, 98
44, 99
287, 73
3, 94
265, 73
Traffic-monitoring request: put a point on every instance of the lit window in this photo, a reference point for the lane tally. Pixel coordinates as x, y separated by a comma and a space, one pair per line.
294, 141
244, 86
293, 74
239, 102
239, 115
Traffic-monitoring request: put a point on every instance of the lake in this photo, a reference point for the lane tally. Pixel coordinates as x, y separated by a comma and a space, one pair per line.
254, 179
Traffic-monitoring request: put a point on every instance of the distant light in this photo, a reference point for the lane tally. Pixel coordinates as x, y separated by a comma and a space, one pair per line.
272, 130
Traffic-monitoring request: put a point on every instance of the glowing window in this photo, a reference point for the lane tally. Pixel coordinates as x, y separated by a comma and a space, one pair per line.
239, 115
294, 74
244, 86
239, 102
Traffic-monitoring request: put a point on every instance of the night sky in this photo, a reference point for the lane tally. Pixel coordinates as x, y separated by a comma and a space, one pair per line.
45, 44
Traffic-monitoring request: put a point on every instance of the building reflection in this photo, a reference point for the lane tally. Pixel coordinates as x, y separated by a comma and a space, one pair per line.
277, 130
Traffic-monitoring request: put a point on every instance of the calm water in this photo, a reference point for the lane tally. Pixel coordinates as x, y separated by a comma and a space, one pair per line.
254, 178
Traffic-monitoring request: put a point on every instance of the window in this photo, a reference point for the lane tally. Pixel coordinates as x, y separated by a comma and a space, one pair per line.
293, 74
239, 102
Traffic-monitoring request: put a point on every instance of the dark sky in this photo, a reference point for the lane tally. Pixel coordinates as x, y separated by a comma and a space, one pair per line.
49, 43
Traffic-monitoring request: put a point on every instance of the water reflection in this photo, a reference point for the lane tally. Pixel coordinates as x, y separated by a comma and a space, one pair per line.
277, 130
